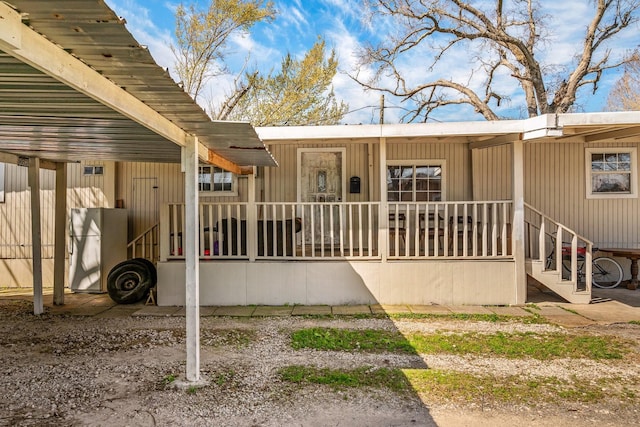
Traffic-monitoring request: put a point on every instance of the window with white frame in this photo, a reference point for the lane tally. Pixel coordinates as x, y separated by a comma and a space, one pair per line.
611, 172
213, 179
415, 182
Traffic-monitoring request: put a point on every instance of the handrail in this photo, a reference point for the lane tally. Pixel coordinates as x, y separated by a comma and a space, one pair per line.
547, 217
543, 234
141, 240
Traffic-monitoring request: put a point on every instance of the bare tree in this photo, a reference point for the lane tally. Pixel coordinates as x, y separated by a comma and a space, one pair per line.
625, 94
202, 36
509, 35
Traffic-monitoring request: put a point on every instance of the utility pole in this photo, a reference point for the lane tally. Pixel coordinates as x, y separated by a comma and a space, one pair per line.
381, 109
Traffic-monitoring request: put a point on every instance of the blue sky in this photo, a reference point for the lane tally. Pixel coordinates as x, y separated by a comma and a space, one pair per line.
341, 23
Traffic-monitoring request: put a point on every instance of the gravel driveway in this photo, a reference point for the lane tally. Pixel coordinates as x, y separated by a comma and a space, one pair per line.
60, 370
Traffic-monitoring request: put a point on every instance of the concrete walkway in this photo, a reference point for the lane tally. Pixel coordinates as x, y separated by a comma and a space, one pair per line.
552, 309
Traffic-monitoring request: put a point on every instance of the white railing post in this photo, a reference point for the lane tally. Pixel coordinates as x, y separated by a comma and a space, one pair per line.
252, 219
165, 233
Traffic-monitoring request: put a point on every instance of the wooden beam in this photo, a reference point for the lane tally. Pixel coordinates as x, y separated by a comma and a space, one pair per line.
221, 162
495, 141
629, 132
18, 160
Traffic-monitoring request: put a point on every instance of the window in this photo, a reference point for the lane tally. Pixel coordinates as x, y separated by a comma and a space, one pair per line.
418, 182
611, 173
216, 180
94, 170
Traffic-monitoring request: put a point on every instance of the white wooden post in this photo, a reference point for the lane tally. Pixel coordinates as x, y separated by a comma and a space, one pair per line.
252, 218
383, 211
517, 229
60, 233
36, 234
190, 248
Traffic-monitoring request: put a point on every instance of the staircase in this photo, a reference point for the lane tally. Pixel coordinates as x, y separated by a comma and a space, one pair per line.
145, 245
544, 239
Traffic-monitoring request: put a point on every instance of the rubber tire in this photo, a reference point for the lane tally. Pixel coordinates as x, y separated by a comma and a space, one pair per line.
612, 268
151, 267
129, 281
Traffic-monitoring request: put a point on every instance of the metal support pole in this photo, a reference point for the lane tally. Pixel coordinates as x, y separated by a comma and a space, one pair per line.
518, 222
192, 276
36, 234
60, 233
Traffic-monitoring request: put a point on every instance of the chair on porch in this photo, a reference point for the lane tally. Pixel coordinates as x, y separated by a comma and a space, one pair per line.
432, 229
397, 225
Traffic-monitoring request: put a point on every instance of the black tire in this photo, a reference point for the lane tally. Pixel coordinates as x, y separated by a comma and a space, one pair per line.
606, 273
153, 274
128, 282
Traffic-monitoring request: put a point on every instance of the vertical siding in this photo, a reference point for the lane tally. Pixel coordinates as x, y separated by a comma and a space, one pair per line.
170, 189
15, 212
457, 163
492, 173
556, 184
281, 182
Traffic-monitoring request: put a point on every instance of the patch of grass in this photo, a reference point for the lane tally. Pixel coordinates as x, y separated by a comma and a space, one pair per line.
509, 345
370, 340
447, 386
635, 322
192, 389
168, 379
492, 318
435, 385
518, 345
366, 376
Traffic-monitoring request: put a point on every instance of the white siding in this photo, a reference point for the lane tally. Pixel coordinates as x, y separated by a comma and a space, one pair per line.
15, 212
555, 184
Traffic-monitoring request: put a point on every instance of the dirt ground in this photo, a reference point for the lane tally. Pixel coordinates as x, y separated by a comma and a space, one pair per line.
103, 371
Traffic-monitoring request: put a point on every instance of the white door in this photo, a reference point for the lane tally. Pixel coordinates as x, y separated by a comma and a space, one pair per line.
145, 206
321, 180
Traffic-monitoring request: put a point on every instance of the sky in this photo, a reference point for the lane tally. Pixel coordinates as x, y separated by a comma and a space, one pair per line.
345, 27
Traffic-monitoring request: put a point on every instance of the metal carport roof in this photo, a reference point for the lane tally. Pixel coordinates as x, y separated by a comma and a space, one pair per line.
50, 107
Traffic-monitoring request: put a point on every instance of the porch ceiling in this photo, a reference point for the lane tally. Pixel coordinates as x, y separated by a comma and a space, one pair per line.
104, 98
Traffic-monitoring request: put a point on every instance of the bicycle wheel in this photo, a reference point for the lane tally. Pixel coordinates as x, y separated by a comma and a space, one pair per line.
606, 273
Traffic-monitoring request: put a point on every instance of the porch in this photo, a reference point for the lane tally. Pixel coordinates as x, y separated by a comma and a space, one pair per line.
343, 253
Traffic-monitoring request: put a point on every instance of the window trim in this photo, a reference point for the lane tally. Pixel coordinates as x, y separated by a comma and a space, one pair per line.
421, 162
221, 193
633, 193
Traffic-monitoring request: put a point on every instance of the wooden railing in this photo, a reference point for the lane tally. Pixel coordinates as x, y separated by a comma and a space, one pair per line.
552, 243
145, 245
343, 230
450, 229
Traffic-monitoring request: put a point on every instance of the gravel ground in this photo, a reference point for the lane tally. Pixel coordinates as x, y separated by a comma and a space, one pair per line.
58, 371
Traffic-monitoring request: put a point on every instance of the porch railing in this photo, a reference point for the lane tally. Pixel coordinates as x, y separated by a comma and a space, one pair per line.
479, 229
553, 244
343, 230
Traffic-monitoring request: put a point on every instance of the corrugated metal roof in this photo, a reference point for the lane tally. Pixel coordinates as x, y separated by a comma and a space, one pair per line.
38, 114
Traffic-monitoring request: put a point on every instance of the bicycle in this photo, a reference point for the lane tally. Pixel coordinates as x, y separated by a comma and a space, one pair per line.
606, 273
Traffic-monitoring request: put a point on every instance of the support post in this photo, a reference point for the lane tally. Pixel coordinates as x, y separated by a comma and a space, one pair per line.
383, 212
252, 218
60, 233
517, 229
36, 234
192, 274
